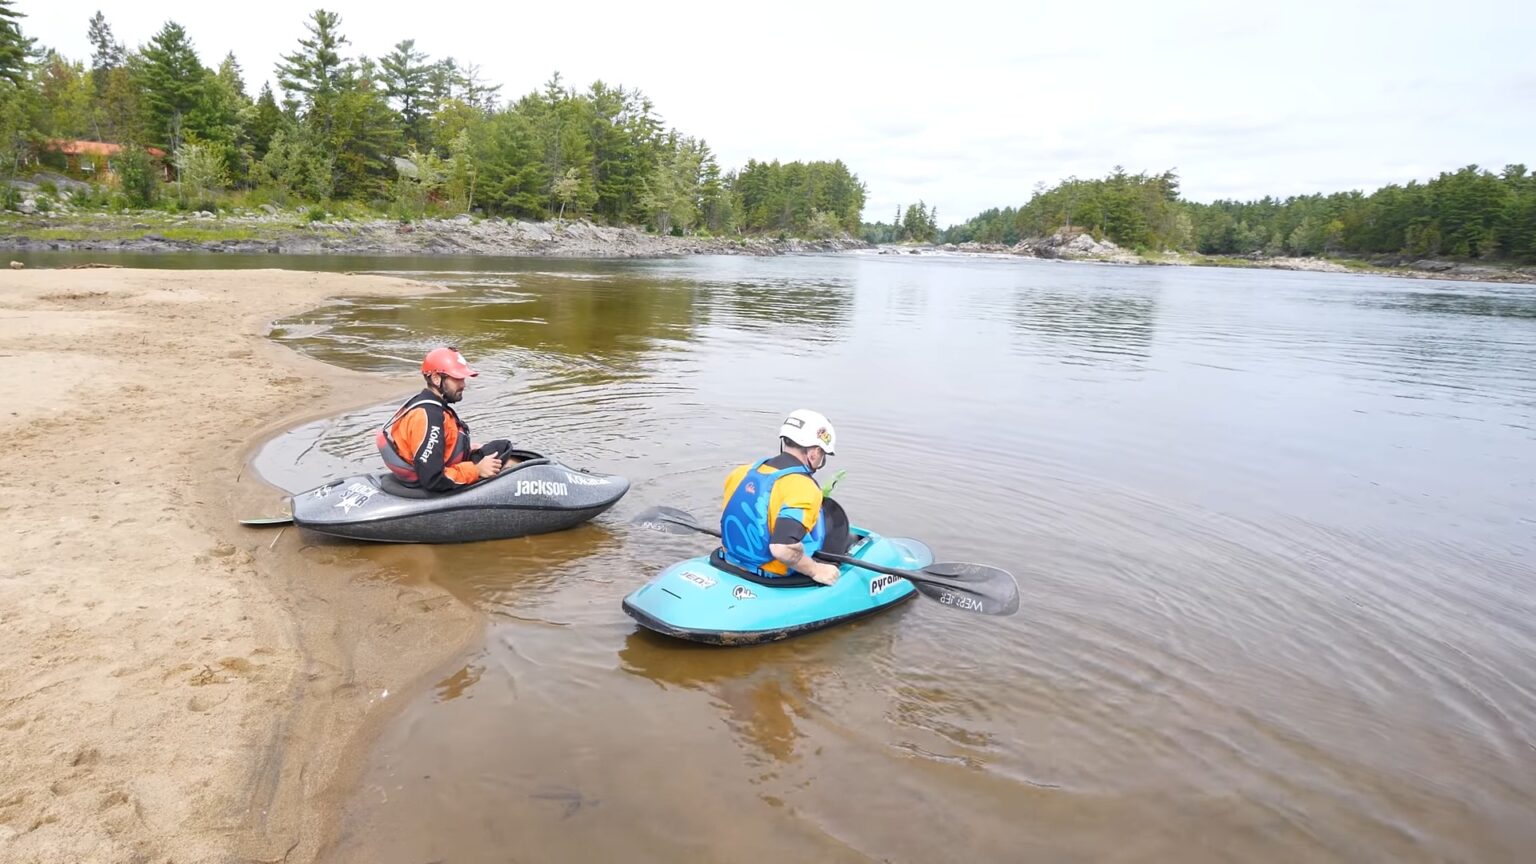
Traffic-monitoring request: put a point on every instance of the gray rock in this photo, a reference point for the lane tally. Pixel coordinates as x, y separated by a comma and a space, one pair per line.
1433, 266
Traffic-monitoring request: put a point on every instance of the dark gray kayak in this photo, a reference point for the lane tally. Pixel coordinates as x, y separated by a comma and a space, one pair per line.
536, 496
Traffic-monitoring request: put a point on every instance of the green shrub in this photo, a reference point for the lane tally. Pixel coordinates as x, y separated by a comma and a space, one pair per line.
140, 179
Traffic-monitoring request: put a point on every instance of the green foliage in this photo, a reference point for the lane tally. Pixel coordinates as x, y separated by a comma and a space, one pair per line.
362, 134
460, 174
512, 174
1468, 213
14, 47
96, 195
173, 81
823, 225
775, 197
919, 223
119, 113
990, 226
627, 152
202, 174
1138, 210
566, 188
674, 192
405, 76
420, 178
295, 167
264, 122
342, 121
106, 52
314, 71
65, 94
138, 177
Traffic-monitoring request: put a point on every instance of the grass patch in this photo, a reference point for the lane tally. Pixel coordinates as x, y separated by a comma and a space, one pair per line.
1221, 261
121, 228
208, 234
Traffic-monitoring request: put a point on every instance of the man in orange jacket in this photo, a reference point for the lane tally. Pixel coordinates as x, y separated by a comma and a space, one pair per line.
425, 444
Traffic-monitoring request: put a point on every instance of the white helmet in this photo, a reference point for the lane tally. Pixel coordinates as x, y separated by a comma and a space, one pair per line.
809, 428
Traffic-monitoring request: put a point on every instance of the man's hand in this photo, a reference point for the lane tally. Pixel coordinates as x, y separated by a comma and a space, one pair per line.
489, 466
824, 573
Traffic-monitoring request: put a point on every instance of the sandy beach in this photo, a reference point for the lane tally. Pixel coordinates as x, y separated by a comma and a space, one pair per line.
174, 687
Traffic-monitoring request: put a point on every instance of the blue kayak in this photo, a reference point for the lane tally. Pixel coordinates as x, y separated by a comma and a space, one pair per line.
705, 599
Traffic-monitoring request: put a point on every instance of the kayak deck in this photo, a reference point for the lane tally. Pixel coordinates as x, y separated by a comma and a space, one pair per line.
536, 496
699, 602
751, 637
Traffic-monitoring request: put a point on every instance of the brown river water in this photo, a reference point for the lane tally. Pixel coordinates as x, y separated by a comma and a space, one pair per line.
1273, 532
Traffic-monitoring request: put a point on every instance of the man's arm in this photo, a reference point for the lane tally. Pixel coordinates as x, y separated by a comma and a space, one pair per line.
428, 458
801, 504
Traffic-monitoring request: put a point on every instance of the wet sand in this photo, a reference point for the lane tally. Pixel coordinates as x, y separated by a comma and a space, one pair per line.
174, 687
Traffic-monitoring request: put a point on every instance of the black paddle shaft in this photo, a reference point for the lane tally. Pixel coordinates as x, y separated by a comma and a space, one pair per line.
911, 575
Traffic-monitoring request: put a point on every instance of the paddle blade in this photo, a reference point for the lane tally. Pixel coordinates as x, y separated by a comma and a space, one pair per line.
914, 550
972, 588
267, 521
670, 520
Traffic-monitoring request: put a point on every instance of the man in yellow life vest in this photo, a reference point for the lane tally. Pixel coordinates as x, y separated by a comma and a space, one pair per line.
774, 517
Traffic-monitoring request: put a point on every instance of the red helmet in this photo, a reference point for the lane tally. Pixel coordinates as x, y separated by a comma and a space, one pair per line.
449, 362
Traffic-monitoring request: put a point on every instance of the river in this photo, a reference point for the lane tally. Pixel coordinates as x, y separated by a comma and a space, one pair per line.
1273, 532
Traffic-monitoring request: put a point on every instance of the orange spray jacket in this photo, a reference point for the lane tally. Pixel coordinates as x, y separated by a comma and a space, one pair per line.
426, 444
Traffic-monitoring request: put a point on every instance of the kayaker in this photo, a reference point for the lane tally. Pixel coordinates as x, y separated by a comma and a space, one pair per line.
425, 444
774, 517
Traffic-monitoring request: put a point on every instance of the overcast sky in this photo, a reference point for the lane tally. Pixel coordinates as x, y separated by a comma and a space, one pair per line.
966, 104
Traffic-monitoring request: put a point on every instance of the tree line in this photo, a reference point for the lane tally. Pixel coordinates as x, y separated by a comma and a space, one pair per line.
402, 133
918, 223
1471, 213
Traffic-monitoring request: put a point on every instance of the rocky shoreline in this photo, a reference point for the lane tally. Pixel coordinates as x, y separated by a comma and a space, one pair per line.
285, 233
279, 233
1082, 247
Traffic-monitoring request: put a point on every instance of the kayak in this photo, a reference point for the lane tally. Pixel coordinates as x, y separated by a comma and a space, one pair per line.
535, 496
706, 599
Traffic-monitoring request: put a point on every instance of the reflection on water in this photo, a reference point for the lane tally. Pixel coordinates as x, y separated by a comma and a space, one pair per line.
762, 693
1272, 532
598, 326
760, 702
1493, 301
456, 684
1078, 326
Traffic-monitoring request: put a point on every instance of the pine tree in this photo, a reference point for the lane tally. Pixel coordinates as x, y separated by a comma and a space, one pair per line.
14, 48
173, 82
106, 52
265, 121
313, 73
405, 75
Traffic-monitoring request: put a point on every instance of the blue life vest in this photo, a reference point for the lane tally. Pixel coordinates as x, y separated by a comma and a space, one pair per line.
744, 535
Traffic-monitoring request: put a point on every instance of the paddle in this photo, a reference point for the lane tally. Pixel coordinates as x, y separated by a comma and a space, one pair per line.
968, 587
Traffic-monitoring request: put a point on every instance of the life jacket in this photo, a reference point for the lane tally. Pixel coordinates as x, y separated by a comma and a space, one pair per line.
745, 530
398, 459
